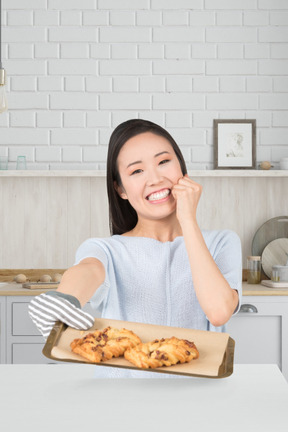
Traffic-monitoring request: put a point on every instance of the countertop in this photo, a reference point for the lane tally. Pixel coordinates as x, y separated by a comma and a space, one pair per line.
67, 397
261, 290
14, 289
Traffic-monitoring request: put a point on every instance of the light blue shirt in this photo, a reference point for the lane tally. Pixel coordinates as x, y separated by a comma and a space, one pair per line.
150, 282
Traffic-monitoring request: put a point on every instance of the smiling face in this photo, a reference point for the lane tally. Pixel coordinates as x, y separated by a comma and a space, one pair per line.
148, 168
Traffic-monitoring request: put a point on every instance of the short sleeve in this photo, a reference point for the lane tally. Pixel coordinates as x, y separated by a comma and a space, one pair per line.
91, 248
95, 248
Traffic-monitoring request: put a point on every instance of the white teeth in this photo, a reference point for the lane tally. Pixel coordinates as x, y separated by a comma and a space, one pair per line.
159, 195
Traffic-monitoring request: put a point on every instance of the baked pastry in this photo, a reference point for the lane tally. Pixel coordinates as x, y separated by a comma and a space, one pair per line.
103, 345
163, 352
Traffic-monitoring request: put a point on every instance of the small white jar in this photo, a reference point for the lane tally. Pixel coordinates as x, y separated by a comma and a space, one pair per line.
279, 273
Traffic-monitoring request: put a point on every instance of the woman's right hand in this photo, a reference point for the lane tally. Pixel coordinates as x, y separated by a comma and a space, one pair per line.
187, 194
45, 310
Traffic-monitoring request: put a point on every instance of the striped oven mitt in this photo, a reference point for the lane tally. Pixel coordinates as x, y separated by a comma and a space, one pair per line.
46, 309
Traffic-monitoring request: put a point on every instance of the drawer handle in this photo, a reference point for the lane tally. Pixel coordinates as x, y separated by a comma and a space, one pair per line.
248, 308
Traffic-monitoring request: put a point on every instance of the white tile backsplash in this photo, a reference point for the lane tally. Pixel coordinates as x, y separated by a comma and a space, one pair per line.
77, 69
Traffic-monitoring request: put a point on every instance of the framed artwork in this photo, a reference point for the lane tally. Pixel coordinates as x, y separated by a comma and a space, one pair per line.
234, 144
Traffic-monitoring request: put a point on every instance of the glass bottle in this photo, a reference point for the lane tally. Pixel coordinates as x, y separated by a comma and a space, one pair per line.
253, 269
21, 163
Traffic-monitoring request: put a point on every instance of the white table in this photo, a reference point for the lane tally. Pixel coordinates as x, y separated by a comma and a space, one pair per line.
66, 397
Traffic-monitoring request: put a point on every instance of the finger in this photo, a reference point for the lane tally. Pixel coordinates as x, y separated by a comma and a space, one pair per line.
190, 184
187, 185
186, 180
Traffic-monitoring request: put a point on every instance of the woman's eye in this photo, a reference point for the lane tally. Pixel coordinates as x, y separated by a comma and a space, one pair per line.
164, 161
136, 171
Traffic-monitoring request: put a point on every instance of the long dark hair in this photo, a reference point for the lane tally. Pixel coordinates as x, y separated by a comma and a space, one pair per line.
122, 216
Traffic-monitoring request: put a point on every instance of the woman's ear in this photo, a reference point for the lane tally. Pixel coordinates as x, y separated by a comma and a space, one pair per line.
120, 190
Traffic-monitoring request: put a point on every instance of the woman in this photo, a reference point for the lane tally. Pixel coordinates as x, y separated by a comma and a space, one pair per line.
158, 267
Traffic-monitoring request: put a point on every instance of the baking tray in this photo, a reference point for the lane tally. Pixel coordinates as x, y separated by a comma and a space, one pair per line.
216, 350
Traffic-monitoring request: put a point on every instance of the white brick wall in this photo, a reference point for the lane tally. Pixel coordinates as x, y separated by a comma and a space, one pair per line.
76, 69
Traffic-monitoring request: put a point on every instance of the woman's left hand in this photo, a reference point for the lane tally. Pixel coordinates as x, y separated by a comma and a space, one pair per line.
187, 194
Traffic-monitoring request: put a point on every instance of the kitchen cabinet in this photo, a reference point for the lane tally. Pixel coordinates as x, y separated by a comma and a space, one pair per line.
2, 329
24, 342
260, 331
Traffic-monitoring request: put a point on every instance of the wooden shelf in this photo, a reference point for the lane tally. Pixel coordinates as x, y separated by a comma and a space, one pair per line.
102, 173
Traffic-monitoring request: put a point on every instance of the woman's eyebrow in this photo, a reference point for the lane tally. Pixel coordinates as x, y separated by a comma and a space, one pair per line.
134, 163
163, 152
156, 155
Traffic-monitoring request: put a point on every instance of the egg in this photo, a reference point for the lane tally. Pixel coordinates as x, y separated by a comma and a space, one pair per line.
20, 278
45, 278
265, 165
57, 277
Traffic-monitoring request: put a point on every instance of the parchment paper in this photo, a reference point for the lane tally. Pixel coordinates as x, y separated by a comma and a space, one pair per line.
211, 346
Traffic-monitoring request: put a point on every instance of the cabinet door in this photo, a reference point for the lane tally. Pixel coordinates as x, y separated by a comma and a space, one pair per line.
2, 330
22, 325
259, 331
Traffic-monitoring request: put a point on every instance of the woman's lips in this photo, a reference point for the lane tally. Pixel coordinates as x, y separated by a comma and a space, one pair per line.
159, 195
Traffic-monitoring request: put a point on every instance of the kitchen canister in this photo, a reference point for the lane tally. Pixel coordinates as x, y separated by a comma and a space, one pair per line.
253, 269
279, 273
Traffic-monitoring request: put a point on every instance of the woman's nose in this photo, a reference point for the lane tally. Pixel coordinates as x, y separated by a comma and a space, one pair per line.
154, 177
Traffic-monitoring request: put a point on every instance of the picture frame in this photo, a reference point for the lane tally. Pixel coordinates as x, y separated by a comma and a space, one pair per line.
234, 144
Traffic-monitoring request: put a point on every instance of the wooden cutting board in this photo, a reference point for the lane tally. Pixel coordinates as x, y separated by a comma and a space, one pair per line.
40, 285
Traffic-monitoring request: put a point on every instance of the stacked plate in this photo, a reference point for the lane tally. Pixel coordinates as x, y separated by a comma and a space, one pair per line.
271, 243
